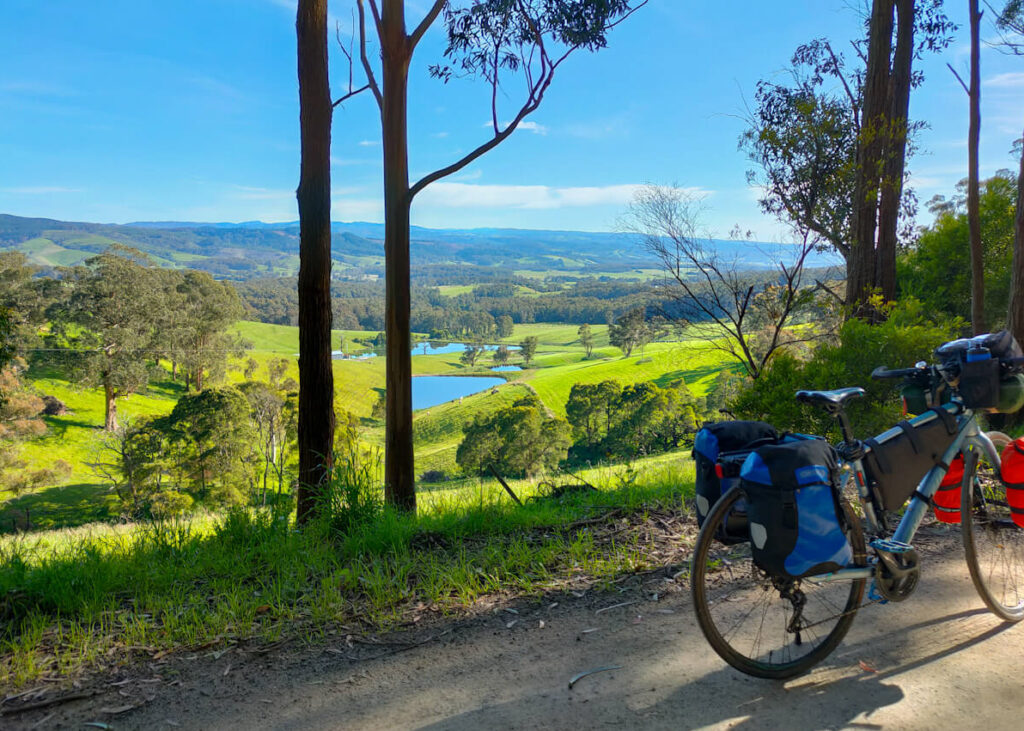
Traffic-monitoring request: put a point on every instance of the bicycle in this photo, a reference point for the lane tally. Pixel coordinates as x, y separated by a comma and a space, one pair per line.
773, 627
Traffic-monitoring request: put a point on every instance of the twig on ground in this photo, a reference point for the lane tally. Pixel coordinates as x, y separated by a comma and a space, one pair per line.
585, 673
616, 606
46, 704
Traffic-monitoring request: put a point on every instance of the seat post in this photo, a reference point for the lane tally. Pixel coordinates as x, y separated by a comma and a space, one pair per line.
844, 426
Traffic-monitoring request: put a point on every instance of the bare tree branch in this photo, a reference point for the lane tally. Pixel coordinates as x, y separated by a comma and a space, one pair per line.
958, 78
428, 20
370, 78
351, 94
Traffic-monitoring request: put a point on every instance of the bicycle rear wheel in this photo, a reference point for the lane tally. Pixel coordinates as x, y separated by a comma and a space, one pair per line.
993, 543
746, 615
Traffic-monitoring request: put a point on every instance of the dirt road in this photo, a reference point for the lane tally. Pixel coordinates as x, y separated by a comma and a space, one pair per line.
942, 661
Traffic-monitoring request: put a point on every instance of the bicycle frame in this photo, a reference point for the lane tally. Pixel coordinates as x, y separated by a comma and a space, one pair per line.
969, 436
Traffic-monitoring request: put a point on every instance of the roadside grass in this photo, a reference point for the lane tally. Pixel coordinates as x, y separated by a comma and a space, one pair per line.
88, 600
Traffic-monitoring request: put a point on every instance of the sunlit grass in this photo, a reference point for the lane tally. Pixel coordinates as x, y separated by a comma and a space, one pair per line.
91, 598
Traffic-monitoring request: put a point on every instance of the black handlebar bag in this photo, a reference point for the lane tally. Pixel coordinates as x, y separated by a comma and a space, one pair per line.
795, 522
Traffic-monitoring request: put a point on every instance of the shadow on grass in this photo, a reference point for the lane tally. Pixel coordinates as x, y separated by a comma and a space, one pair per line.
64, 506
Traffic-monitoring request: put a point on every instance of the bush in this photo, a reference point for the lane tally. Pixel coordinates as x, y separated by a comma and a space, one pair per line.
170, 504
433, 476
907, 336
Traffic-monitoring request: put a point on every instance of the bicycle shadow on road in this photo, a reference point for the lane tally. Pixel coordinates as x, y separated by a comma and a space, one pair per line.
841, 694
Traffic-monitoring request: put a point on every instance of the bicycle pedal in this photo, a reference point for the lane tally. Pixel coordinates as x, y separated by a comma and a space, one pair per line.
889, 545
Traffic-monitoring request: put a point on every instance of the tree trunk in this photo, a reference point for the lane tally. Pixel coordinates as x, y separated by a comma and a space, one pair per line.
199, 379
316, 378
399, 466
110, 401
861, 263
1016, 314
896, 154
973, 203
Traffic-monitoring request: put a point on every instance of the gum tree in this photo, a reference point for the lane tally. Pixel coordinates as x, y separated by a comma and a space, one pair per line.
493, 40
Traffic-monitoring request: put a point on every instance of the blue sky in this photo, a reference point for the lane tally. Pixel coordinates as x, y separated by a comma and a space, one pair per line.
188, 110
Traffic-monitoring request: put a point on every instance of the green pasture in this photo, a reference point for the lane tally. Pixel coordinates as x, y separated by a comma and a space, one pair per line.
559, 364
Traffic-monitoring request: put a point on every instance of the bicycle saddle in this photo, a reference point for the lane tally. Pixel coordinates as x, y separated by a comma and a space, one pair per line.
831, 400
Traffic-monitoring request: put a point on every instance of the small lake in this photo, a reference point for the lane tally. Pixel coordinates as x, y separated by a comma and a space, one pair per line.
506, 368
440, 348
428, 391
428, 347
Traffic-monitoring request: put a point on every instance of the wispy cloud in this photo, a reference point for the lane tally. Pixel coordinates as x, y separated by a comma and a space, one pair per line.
527, 125
1011, 80
39, 190
464, 195
369, 143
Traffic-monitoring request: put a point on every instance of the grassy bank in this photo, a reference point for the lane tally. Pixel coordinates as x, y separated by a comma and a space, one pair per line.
76, 601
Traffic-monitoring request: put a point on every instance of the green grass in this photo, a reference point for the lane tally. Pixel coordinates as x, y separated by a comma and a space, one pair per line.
558, 366
551, 336
86, 600
76, 438
557, 372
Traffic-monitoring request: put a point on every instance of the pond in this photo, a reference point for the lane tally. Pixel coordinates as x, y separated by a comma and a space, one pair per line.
427, 347
433, 347
506, 368
428, 391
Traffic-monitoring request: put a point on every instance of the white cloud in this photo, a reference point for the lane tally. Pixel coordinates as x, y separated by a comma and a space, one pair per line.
39, 190
529, 126
439, 135
1011, 80
464, 195
537, 129
368, 143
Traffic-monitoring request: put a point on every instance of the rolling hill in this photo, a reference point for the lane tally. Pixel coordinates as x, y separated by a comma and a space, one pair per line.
257, 249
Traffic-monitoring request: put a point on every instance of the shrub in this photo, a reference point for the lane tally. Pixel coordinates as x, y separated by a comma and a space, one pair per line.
169, 504
907, 336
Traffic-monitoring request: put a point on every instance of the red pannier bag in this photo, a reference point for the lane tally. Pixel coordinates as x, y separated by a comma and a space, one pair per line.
1013, 476
947, 499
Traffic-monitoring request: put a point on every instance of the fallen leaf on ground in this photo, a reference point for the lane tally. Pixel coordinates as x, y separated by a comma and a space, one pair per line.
867, 667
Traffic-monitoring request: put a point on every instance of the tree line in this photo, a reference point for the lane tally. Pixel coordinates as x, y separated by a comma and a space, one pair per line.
115, 321
604, 421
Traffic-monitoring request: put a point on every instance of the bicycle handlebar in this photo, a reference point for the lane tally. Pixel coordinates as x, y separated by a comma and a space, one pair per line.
882, 372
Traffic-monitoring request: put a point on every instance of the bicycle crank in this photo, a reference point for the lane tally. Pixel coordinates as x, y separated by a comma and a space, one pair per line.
898, 570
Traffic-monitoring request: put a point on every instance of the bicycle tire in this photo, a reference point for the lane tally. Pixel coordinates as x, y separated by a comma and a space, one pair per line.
710, 590
993, 543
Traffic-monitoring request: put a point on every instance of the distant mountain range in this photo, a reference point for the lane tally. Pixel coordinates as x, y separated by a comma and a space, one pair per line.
257, 249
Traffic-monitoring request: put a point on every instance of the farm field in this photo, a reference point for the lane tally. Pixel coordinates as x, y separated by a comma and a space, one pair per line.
559, 364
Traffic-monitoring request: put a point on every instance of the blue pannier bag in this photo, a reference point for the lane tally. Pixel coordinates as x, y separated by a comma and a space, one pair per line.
795, 522
718, 453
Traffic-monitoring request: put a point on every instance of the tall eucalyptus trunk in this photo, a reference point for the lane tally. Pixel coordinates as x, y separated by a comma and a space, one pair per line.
316, 377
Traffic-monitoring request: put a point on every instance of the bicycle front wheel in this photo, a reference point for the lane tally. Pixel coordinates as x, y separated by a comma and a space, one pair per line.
747, 616
993, 543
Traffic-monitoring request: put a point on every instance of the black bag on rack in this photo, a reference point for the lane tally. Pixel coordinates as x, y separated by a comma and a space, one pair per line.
718, 453
795, 522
